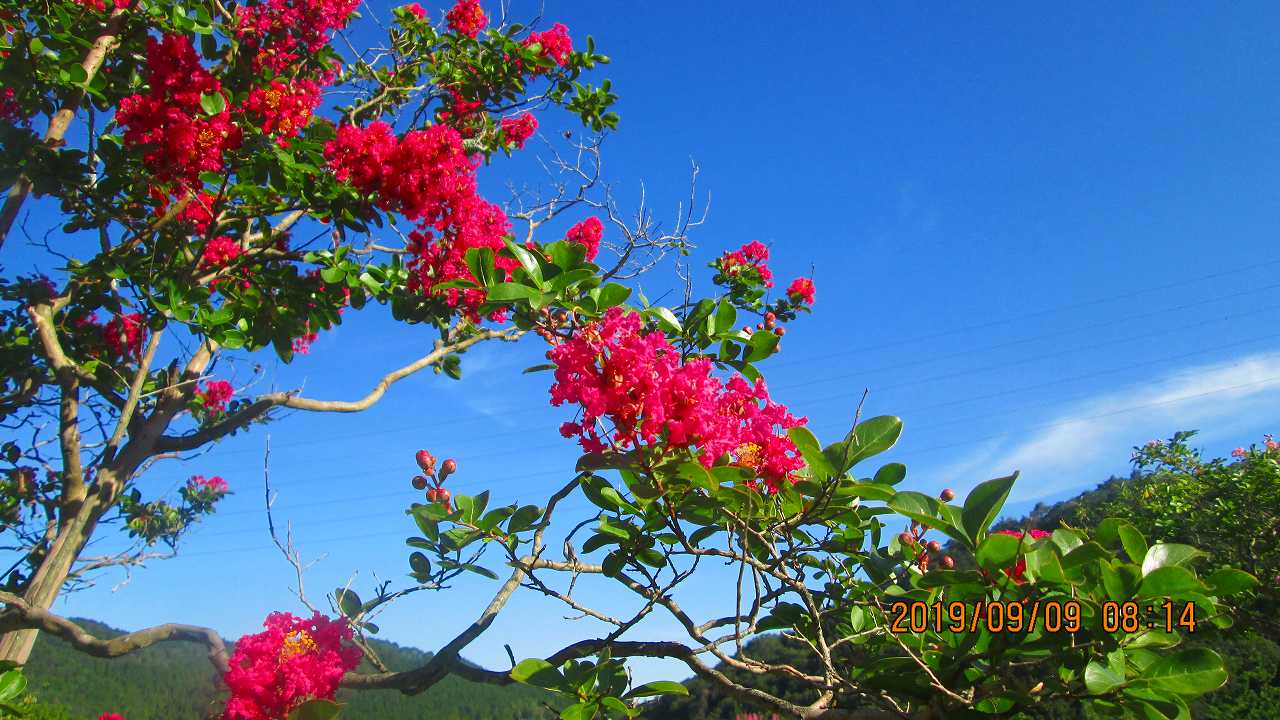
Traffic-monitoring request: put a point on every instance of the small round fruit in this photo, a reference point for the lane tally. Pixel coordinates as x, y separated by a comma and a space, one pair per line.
934, 546
948, 562
425, 460
433, 494
779, 331
419, 482
443, 496
449, 467
770, 318
906, 539
947, 495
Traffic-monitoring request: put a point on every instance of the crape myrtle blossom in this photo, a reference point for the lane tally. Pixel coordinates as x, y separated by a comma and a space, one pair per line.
292, 661
179, 139
466, 17
746, 264
587, 234
285, 31
801, 291
555, 43
519, 129
215, 394
636, 380
427, 176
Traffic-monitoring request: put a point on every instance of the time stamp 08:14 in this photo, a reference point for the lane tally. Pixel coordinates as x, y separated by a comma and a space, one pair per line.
1051, 615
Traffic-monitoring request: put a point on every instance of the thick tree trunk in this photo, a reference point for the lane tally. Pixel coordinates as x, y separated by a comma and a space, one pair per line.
47, 583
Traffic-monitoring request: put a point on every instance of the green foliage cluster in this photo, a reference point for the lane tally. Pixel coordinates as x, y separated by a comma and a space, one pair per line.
1226, 507
174, 681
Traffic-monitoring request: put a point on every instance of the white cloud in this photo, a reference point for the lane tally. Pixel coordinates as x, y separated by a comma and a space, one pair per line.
1097, 434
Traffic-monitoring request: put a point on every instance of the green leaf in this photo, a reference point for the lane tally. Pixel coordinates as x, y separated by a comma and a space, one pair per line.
1168, 581
507, 292
726, 316
537, 672
998, 551
420, 564
666, 320
1165, 554
983, 504
1190, 672
213, 103
1099, 679
927, 510
762, 344
811, 450
891, 474
1135, 546
611, 295
579, 711
12, 685
868, 438
1084, 554
658, 687
479, 570
1229, 581
480, 263
316, 710
524, 518
348, 602
1044, 564
527, 261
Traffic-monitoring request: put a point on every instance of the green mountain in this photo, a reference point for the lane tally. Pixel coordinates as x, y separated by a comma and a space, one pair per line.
175, 681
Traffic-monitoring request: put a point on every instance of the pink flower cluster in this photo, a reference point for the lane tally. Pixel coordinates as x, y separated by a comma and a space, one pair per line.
198, 211
110, 716
587, 234
747, 263
101, 5
637, 381
427, 176
220, 251
180, 140
292, 661
556, 43
123, 335
283, 30
215, 394
801, 291
519, 129
1017, 572
466, 17
284, 110
199, 484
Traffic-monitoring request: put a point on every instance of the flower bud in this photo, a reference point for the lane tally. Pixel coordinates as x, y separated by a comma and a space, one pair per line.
934, 546
419, 482
449, 467
906, 539
425, 460
948, 562
947, 495
779, 331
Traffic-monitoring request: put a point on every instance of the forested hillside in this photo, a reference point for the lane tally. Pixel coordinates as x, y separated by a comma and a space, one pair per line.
174, 681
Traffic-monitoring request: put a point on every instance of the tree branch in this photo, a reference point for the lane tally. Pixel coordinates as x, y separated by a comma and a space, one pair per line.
18, 615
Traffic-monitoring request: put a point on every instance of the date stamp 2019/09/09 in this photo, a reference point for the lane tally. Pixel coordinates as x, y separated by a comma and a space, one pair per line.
1050, 616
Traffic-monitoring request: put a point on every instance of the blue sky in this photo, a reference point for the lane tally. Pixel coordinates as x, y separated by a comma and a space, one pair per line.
1039, 235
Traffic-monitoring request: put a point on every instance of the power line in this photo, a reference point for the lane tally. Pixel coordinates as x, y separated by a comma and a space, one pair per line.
920, 381
931, 359
935, 448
